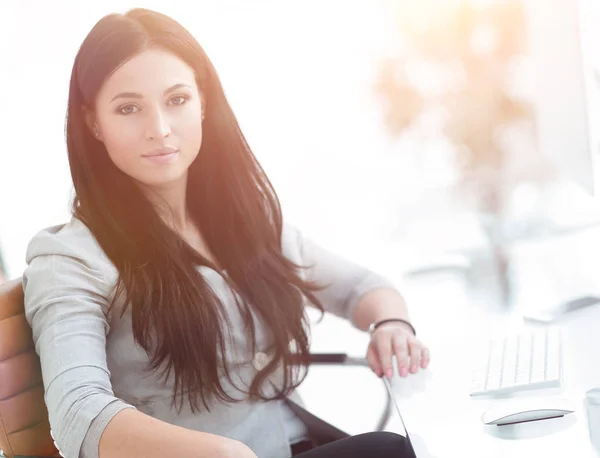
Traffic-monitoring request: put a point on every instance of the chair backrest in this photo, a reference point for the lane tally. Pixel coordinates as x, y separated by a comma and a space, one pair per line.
24, 426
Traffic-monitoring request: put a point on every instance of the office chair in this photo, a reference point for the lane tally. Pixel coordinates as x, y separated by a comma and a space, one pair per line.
24, 425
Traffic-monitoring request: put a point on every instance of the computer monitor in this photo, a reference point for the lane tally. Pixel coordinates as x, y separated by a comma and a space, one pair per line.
564, 45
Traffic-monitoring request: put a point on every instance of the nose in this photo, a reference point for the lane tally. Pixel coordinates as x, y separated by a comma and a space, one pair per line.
158, 125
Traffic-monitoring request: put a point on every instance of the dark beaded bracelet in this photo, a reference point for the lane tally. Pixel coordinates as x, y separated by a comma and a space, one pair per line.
391, 320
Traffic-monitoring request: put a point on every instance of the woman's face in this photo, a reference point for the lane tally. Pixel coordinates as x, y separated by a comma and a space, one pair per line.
149, 116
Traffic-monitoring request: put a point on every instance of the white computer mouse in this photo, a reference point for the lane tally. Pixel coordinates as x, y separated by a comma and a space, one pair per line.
521, 410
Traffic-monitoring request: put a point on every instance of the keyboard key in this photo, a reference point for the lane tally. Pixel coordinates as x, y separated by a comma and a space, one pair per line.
509, 365
524, 360
495, 365
553, 355
538, 358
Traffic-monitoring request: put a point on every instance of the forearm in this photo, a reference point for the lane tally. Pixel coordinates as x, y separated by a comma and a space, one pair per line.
379, 304
131, 433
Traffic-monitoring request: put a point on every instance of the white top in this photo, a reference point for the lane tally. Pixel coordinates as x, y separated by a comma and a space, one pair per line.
92, 368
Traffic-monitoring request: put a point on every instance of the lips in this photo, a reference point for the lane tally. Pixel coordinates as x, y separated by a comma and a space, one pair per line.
162, 156
163, 151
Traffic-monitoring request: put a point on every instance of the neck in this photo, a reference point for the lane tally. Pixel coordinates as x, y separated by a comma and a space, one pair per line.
171, 204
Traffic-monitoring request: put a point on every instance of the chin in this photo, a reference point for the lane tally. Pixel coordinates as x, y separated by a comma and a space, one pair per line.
164, 180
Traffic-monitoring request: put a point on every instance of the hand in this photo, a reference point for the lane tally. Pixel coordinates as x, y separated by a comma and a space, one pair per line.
396, 339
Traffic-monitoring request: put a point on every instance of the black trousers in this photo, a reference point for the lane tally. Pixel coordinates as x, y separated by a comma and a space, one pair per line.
376, 444
328, 441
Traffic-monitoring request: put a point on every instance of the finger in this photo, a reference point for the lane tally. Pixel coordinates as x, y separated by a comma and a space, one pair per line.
383, 349
401, 351
414, 349
424, 357
374, 361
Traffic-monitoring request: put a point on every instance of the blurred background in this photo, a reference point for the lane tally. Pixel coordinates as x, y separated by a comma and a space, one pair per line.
457, 136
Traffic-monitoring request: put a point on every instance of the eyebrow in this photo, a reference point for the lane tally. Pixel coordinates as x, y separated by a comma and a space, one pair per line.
136, 95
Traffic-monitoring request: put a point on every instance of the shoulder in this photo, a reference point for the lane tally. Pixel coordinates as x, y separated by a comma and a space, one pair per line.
66, 265
72, 240
65, 254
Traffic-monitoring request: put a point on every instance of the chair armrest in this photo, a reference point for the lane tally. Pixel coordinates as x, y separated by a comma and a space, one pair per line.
343, 359
337, 358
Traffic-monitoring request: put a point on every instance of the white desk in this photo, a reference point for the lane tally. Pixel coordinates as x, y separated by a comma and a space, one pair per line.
441, 417
444, 421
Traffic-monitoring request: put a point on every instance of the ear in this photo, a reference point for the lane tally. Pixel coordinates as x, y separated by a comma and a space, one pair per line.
91, 123
202, 104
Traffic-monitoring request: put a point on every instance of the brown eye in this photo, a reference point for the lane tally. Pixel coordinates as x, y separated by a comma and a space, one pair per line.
178, 100
127, 109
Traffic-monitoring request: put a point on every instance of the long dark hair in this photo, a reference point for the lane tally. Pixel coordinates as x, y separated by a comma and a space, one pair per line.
176, 317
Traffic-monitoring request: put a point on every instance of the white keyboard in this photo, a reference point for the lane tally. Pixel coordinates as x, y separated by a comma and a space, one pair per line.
529, 360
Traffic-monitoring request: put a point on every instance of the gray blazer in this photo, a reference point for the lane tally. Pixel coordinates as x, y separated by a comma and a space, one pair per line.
92, 368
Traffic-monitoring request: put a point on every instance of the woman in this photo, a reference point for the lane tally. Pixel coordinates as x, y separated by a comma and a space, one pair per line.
169, 314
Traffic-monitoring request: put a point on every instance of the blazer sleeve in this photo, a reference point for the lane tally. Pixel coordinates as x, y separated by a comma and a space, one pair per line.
65, 305
344, 281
